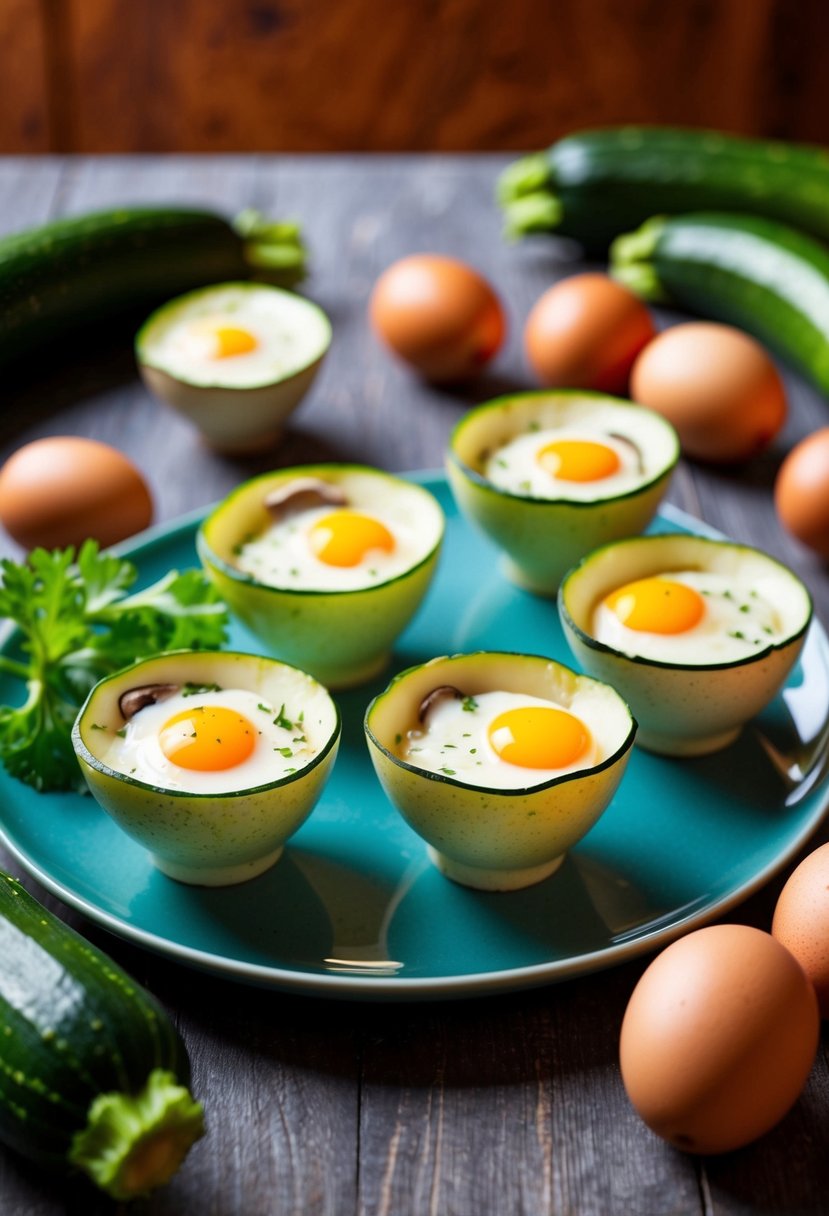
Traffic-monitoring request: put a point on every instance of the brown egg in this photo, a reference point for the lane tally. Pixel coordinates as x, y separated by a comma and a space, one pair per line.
585, 332
801, 492
439, 315
718, 1038
801, 920
716, 385
61, 490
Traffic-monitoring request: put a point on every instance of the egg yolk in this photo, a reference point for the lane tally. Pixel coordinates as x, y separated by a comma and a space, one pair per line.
538, 737
230, 340
657, 605
212, 338
207, 738
345, 538
578, 460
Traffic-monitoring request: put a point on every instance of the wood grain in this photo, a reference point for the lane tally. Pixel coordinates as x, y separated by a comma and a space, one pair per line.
360, 75
504, 1104
24, 85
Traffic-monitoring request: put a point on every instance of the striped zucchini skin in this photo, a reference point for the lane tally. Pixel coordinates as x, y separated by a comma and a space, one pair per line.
759, 275
85, 271
73, 1025
606, 181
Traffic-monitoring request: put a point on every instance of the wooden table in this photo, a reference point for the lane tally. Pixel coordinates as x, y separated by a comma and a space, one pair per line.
509, 1104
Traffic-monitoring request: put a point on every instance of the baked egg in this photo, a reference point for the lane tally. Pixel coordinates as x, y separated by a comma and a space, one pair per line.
211, 739
688, 616
572, 462
322, 538
505, 739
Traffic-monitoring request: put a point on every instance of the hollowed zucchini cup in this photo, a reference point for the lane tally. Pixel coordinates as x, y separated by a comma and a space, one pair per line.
683, 708
240, 401
343, 637
209, 839
491, 838
542, 537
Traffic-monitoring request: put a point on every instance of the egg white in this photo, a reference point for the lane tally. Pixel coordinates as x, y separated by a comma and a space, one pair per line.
514, 466
455, 741
282, 555
288, 336
738, 622
278, 752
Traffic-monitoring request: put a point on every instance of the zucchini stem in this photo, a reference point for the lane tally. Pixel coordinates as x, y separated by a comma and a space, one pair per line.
631, 260
524, 192
133, 1143
539, 212
528, 175
273, 248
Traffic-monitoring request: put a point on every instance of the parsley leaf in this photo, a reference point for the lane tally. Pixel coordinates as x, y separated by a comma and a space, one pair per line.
76, 623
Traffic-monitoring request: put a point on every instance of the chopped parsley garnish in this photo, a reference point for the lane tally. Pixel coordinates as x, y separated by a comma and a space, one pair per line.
282, 720
450, 772
192, 690
469, 705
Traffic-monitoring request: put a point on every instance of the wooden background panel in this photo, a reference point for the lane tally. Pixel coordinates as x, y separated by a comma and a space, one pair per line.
370, 75
24, 96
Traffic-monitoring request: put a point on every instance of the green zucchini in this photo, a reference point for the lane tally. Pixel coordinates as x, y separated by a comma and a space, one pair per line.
596, 184
78, 273
761, 276
93, 1074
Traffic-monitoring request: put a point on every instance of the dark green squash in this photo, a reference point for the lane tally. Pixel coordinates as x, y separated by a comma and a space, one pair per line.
93, 1075
594, 184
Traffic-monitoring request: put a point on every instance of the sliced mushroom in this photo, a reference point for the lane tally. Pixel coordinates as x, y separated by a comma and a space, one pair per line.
633, 446
302, 493
443, 692
134, 699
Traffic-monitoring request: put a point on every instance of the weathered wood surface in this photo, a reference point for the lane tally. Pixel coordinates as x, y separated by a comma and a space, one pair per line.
508, 1104
363, 75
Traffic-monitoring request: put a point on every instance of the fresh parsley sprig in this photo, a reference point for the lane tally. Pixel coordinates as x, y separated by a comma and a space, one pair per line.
77, 623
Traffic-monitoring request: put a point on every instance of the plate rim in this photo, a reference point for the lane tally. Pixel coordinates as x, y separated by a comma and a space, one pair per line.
399, 987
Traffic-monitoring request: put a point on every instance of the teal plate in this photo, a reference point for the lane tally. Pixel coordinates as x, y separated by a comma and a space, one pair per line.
354, 909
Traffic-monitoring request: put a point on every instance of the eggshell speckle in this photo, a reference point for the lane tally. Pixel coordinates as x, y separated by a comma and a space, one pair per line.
716, 385
64, 489
718, 1038
801, 920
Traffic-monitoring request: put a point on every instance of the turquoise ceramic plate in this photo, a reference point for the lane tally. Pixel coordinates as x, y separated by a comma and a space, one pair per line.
354, 909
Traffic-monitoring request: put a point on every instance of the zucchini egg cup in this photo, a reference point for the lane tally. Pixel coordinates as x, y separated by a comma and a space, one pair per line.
344, 637
540, 538
207, 839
